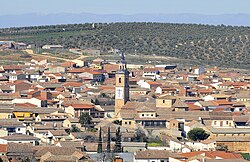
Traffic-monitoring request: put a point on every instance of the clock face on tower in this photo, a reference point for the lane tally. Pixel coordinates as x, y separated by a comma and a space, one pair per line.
119, 93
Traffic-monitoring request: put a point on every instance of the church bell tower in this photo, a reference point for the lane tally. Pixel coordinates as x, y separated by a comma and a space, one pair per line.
121, 85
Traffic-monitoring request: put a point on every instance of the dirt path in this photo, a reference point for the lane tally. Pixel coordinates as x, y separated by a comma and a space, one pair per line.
30, 52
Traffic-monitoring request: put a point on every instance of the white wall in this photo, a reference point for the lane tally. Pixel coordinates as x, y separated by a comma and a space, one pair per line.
21, 130
175, 146
2, 141
158, 90
33, 101
145, 85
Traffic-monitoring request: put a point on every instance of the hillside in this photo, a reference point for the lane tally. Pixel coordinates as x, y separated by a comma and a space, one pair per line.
216, 45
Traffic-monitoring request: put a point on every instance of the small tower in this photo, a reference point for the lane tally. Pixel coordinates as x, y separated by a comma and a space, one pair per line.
121, 86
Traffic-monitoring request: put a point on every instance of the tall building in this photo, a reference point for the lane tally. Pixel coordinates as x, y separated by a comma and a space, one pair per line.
121, 86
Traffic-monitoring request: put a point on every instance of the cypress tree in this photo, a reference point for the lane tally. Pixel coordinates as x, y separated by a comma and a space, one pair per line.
108, 140
118, 145
99, 148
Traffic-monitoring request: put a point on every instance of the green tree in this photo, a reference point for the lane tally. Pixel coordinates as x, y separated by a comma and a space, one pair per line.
197, 134
118, 139
1, 159
108, 141
74, 129
86, 120
221, 147
118, 122
26, 159
97, 102
140, 136
99, 147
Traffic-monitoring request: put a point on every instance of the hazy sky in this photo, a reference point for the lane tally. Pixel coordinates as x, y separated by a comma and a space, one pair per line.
124, 6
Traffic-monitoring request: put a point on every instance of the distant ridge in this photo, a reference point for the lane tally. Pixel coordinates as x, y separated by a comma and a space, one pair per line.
34, 19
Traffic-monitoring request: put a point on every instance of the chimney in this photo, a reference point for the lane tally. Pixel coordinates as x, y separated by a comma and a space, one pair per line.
44, 95
118, 159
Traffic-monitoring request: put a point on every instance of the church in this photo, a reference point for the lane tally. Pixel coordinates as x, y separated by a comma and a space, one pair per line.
122, 86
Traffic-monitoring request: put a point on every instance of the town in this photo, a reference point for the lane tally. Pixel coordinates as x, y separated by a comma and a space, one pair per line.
116, 111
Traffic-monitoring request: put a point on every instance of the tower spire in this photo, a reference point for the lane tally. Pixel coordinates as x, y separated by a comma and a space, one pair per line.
123, 62
122, 85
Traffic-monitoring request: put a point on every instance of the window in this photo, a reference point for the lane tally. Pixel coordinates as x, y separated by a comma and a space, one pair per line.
129, 123
126, 123
152, 114
18, 129
214, 122
162, 160
120, 80
142, 115
227, 122
163, 101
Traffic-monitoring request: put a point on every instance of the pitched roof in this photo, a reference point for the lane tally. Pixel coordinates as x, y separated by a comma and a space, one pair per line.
192, 107
213, 154
19, 137
19, 148
83, 106
232, 139
179, 104
11, 123
214, 115
75, 144
59, 133
55, 150
145, 109
155, 154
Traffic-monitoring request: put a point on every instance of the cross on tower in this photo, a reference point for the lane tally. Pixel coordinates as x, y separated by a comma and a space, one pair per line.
119, 92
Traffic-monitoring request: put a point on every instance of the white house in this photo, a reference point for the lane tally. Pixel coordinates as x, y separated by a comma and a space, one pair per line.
177, 146
52, 47
199, 70
158, 90
208, 98
143, 84
21, 138
34, 101
151, 73
12, 126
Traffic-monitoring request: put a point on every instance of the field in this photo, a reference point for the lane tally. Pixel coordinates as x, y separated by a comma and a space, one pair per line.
193, 44
19, 57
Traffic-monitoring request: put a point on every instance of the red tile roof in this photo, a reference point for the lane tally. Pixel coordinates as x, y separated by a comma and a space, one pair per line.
82, 106
154, 83
222, 102
72, 84
213, 154
192, 107
3, 148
